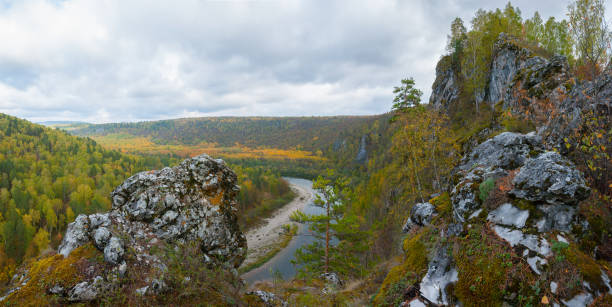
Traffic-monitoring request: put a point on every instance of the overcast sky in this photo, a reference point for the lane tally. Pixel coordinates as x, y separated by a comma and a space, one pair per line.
108, 61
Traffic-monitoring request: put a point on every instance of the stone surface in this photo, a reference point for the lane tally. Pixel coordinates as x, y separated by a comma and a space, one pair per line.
557, 217
76, 235
440, 274
516, 237
113, 252
332, 278
268, 299
580, 300
507, 150
509, 215
445, 89
362, 154
550, 178
101, 236
420, 215
194, 201
85, 291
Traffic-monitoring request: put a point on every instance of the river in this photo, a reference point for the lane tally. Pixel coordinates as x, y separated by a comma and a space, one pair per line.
281, 262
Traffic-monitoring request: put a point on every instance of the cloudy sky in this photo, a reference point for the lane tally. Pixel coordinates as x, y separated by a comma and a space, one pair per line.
119, 60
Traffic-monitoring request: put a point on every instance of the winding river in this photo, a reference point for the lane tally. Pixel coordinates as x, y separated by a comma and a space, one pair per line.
281, 262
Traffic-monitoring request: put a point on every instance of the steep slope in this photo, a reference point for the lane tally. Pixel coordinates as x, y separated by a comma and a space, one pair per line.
518, 223
309, 133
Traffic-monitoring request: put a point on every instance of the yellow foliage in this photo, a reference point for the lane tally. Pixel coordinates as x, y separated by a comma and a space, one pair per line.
132, 144
413, 266
48, 272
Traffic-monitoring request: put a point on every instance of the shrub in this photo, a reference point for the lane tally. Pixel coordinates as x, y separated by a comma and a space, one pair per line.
485, 189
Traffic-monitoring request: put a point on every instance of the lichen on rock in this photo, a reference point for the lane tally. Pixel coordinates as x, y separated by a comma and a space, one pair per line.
194, 202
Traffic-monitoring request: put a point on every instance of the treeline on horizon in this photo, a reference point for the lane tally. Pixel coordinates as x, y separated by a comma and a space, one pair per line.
300, 133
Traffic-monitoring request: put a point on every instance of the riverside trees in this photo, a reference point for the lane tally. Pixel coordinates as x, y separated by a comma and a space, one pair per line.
339, 238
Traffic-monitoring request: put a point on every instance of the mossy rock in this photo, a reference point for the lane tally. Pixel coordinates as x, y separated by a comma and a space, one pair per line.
589, 269
409, 272
51, 271
443, 205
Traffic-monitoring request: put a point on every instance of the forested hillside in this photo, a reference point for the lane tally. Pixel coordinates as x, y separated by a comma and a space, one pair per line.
294, 146
306, 133
48, 177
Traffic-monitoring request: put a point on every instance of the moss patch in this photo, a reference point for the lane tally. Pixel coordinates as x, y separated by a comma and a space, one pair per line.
399, 278
50, 271
488, 269
589, 269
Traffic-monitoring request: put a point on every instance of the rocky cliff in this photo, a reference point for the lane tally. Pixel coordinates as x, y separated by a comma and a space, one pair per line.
153, 213
512, 229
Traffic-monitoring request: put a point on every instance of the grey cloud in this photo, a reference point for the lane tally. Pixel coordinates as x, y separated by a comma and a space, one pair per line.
118, 60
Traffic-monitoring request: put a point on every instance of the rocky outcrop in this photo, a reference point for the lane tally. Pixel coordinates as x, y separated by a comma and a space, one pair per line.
546, 181
490, 160
194, 202
516, 69
519, 191
268, 299
550, 178
362, 154
445, 89
420, 215
191, 202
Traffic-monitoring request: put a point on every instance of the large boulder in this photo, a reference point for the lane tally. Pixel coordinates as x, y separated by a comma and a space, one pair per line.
508, 150
491, 159
194, 201
420, 215
550, 178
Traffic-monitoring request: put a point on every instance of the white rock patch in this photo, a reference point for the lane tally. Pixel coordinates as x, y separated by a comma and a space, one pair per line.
509, 215
515, 237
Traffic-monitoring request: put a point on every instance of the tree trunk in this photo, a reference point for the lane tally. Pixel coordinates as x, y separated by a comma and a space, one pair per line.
327, 241
416, 174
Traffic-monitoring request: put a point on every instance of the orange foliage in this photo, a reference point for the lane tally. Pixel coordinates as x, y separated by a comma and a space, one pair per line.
133, 144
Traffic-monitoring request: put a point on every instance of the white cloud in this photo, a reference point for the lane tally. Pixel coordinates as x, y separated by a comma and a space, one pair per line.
118, 60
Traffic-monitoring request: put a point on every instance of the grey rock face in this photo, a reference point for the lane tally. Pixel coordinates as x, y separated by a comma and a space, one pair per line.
445, 89
268, 299
362, 155
420, 215
517, 237
550, 178
194, 201
439, 275
100, 237
489, 160
557, 217
572, 101
506, 62
333, 279
113, 252
507, 150
77, 234
509, 215
85, 291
